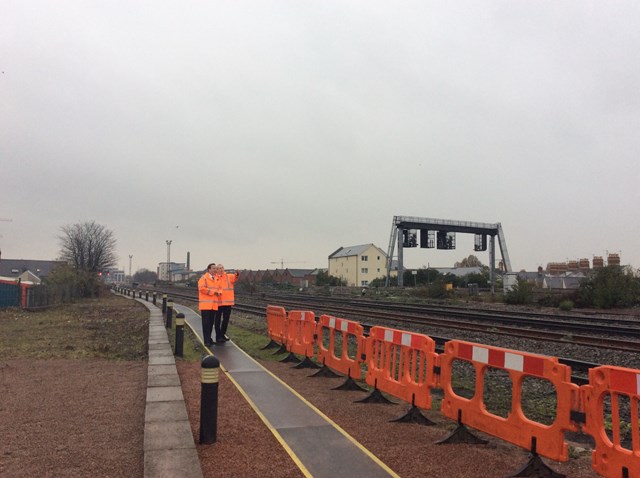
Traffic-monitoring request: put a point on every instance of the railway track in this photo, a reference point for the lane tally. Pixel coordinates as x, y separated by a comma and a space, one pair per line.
621, 334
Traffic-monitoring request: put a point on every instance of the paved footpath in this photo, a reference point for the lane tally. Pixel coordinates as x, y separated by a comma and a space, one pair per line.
169, 449
319, 447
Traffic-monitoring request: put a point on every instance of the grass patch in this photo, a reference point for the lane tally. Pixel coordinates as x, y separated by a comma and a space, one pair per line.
252, 342
109, 327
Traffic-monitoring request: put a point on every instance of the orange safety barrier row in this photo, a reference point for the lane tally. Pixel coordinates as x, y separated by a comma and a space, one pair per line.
401, 364
516, 428
616, 387
301, 332
405, 365
277, 323
343, 363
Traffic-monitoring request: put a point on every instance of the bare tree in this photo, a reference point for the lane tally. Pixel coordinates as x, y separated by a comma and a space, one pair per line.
88, 246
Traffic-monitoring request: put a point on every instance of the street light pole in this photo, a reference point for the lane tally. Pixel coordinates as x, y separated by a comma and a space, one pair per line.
168, 241
130, 276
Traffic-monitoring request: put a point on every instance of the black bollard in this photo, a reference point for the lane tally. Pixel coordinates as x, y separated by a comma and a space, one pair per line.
169, 314
179, 333
164, 303
209, 400
146, 295
155, 295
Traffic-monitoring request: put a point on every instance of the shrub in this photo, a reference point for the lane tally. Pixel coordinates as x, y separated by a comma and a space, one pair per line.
520, 293
566, 305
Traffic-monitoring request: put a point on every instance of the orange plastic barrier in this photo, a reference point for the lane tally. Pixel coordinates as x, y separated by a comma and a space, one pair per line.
326, 355
401, 364
610, 458
516, 428
301, 332
277, 323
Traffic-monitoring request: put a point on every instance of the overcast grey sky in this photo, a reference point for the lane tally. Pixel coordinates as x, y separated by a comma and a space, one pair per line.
282, 130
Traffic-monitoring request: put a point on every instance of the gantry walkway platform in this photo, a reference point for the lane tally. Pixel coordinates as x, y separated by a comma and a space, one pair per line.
318, 446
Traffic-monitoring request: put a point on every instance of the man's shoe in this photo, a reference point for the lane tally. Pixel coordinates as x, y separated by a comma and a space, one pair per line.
220, 341
208, 344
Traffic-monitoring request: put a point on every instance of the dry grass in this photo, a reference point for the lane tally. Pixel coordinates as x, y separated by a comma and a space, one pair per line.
110, 327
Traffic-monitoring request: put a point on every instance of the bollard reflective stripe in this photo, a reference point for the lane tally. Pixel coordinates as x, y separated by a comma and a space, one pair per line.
179, 334
211, 375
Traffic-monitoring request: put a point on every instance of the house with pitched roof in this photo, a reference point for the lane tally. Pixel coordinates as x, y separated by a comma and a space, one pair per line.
358, 265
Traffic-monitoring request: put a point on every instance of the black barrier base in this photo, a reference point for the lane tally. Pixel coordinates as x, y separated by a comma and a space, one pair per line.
461, 435
349, 385
291, 358
536, 467
307, 363
325, 372
271, 345
376, 397
281, 350
413, 415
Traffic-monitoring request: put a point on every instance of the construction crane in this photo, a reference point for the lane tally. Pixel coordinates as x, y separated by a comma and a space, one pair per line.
282, 263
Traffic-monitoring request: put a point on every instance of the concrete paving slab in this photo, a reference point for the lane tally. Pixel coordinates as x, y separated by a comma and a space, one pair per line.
164, 352
162, 369
164, 394
161, 347
167, 435
162, 360
181, 463
161, 411
170, 380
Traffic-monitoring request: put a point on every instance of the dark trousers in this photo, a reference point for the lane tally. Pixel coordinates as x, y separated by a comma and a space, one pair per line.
208, 318
222, 320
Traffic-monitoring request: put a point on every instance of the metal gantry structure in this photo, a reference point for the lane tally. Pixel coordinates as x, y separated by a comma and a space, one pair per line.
440, 234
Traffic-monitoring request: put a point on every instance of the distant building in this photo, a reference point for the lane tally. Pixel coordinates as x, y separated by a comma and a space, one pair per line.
167, 271
295, 277
358, 265
27, 269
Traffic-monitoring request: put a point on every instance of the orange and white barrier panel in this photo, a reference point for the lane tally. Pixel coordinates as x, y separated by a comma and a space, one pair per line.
349, 332
401, 364
618, 388
301, 332
277, 323
516, 428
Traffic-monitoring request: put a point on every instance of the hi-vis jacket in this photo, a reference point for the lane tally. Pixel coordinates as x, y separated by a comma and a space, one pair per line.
208, 292
226, 288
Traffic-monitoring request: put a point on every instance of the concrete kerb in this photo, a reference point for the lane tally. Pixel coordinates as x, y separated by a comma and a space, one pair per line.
169, 448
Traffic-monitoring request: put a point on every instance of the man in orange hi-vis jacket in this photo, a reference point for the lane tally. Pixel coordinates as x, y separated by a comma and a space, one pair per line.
208, 298
227, 300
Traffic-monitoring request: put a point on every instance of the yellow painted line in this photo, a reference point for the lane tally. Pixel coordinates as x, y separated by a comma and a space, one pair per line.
255, 408
334, 424
271, 428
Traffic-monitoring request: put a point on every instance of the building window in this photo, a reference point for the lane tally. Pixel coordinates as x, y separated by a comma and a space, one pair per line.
378, 269
364, 258
364, 270
378, 257
364, 283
